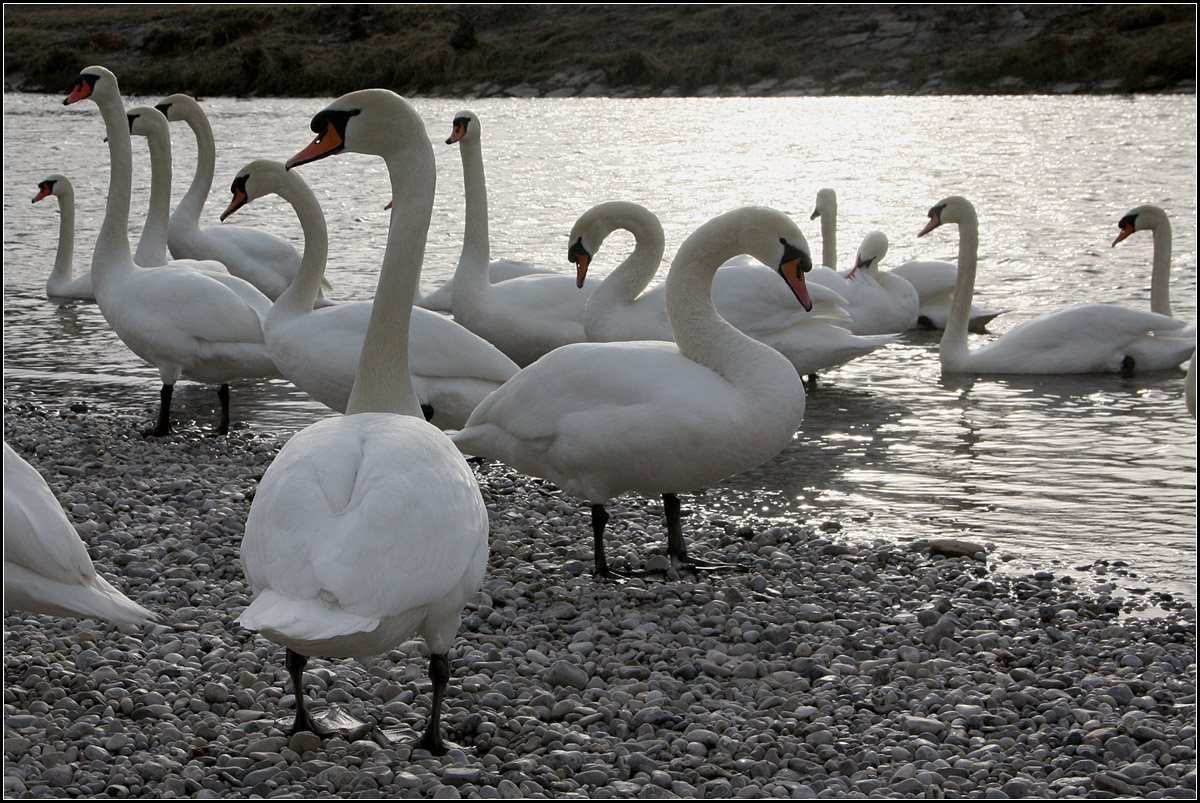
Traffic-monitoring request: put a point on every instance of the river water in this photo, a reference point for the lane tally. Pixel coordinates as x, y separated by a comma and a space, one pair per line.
1064, 474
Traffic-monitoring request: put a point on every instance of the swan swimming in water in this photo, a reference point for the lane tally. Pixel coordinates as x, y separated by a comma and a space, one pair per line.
370, 528
61, 283
1086, 338
654, 417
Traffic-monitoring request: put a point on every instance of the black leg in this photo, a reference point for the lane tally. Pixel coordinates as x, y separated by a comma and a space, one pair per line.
327, 723
164, 414
677, 546
1128, 366
223, 395
439, 673
599, 520
295, 663
810, 383
427, 411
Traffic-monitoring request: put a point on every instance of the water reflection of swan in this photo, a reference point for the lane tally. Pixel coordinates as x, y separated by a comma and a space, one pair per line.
61, 283
1087, 338
601, 419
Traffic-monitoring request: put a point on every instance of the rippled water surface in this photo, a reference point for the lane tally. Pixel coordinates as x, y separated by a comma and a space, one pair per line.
1057, 472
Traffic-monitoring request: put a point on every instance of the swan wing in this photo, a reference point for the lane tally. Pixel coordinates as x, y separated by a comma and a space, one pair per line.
439, 347
37, 534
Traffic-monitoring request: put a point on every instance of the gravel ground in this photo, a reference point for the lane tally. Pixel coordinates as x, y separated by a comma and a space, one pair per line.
829, 668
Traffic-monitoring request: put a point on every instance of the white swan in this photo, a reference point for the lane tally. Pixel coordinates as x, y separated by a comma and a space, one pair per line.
888, 300
370, 527
1086, 338
600, 419
1149, 353
61, 283
318, 350
148, 122
525, 316
46, 565
182, 319
266, 260
746, 294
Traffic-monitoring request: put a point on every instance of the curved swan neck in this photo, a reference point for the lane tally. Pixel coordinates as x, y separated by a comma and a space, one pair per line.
1160, 277
954, 345
383, 383
194, 199
701, 334
472, 270
112, 242
64, 259
302, 293
152, 248
632, 276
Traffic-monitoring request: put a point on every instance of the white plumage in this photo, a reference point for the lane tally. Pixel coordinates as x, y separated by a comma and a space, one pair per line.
62, 283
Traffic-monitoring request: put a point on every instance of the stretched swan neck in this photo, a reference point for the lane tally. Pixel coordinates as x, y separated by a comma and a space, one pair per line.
384, 383
64, 259
152, 248
701, 334
829, 236
1160, 277
634, 274
472, 270
112, 242
954, 338
194, 199
302, 293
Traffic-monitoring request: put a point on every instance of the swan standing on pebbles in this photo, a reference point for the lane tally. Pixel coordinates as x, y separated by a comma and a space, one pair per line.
318, 350
46, 565
370, 527
600, 419
526, 316
267, 261
185, 321
61, 284
745, 291
1149, 354
1088, 338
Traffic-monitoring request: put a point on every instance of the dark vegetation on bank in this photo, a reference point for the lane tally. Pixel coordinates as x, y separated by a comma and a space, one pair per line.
622, 50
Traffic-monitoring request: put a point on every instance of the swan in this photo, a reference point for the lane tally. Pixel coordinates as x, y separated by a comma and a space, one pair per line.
883, 297
933, 281
61, 284
1148, 354
46, 565
370, 527
148, 122
746, 294
525, 316
1189, 386
182, 319
1087, 338
267, 261
318, 350
600, 419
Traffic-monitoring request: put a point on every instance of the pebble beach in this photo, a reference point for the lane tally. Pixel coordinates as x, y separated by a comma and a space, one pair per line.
828, 666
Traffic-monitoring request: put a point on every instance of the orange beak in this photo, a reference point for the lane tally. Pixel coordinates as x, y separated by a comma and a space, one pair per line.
1126, 230
934, 222
581, 266
456, 133
81, 91
239, 200
43, 191
325, 144
794, 276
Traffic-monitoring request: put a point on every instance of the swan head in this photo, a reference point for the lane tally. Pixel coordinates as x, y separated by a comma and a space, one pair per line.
92, 81
872, 251
593, 227
766, 234
145, 121
464, 126
259, 178
372, 121
1142, 218
56, 185
178, 107
954, 209
826, 203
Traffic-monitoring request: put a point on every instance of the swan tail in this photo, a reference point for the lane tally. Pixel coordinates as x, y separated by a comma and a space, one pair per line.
97, 599
297, 622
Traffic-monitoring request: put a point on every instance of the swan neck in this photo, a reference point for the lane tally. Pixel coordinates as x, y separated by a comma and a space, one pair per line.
302, 293
64, 259
954, 339
152, 248
1160, 277
472, 270
384, 383
112, 242
829, 238
194, 199
623, 285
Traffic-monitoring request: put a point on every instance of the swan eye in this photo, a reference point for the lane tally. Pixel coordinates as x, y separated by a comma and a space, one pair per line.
84, 86
577, 252
164, 108
793, 253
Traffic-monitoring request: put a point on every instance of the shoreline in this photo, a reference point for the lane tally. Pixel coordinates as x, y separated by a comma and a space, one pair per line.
828, 668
